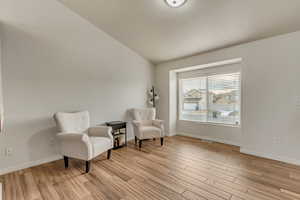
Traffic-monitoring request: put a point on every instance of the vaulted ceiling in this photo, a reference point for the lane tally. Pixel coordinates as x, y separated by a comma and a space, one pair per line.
160, 33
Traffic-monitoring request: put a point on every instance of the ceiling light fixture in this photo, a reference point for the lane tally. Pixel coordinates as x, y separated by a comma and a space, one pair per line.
175, 3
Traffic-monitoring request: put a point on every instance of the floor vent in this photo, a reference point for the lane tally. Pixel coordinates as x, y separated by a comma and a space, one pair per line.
207, 141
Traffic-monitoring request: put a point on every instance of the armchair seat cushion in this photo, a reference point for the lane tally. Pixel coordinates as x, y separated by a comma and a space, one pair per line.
100, 145
150, 132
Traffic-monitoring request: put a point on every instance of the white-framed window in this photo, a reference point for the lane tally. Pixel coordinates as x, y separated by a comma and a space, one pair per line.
212, 98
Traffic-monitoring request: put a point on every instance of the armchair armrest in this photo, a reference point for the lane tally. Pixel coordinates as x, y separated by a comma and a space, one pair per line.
137, 123
157, 121
159, 124
75, 145
137, 128
100, 131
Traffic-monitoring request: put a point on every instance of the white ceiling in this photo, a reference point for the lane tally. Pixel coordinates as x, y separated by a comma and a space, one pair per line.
160, 33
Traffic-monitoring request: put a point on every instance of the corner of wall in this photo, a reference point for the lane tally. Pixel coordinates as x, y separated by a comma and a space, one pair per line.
172, 101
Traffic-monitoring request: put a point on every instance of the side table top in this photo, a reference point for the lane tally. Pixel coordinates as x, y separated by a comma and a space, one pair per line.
115, 123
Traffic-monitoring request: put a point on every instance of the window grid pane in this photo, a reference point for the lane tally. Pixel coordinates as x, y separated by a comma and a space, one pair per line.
194, 105
214, 99
224, 99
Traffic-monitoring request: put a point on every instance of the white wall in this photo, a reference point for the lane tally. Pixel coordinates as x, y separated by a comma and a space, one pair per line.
1, 97
271, 86
53, 60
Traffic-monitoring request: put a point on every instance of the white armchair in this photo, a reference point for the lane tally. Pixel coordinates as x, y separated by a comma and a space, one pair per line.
146, 126
78, 140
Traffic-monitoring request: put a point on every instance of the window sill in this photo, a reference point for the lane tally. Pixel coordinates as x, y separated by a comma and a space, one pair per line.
211, 123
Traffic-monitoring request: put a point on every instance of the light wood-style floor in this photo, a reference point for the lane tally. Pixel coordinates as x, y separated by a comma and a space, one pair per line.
184, 168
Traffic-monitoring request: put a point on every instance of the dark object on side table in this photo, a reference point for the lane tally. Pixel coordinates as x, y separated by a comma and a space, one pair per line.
118, 131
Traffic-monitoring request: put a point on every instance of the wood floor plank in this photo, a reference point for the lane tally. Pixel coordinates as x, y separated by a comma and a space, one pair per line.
192, 196
13, 187
183, 169
30, 189
48, 192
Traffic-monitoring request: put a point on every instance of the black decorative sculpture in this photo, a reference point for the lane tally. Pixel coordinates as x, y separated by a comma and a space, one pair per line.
153, 97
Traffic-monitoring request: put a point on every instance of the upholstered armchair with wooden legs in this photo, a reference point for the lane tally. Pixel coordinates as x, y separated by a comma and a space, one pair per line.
146, 126
80, 141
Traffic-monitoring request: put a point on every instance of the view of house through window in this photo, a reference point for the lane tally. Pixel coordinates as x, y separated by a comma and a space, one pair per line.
214, 99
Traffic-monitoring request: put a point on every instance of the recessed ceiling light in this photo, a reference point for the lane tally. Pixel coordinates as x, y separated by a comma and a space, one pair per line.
175, 3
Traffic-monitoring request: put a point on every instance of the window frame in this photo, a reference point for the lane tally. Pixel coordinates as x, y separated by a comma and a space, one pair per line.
206, 75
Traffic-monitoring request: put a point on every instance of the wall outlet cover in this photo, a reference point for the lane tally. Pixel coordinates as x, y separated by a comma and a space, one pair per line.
8, 151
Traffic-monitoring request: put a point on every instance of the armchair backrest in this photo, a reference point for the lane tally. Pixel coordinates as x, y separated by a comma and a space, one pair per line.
141, 114
77, 122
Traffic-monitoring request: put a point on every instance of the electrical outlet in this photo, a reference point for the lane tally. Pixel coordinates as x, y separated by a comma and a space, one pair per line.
8, 151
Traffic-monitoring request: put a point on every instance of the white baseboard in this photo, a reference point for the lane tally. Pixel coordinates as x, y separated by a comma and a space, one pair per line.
246, 150
270, 156
29, 164
171, 134
210, 138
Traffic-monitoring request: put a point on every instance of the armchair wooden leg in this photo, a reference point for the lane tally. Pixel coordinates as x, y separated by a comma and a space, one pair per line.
87, 166
108, 154
162, 141
66, 159
140, 143
135, 140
